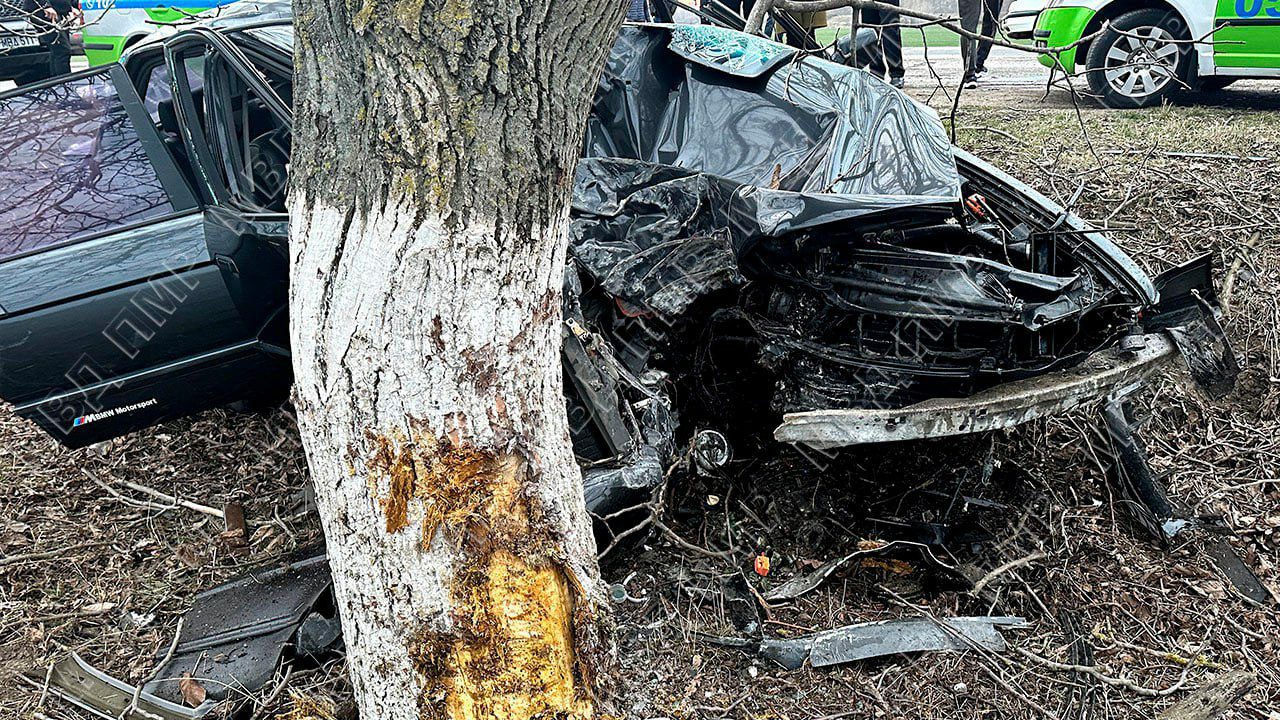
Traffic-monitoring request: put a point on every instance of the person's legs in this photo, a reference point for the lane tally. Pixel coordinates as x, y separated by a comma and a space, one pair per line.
891, 43
970, 20
59, 59
990, 26
873, 56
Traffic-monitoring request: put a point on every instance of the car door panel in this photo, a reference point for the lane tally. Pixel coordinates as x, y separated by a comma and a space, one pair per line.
61, 274
155, 316
117, 309
253, 256
1248, 36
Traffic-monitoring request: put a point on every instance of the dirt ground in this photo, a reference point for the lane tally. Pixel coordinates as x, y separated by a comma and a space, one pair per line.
92, 566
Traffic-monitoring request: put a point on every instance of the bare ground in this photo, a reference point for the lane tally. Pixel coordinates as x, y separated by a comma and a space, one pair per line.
91, 570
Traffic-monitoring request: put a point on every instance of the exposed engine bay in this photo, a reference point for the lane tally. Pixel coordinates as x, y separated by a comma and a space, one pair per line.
838, 254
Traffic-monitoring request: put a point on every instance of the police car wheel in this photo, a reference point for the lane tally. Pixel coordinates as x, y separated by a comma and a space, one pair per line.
1137, 62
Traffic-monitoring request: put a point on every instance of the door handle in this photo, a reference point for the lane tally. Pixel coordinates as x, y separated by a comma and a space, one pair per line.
226, 263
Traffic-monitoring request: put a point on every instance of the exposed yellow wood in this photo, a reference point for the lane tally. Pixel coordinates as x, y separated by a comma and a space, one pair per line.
510, 652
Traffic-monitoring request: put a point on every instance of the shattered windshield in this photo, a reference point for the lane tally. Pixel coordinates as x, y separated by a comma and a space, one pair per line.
71, 164
277, 36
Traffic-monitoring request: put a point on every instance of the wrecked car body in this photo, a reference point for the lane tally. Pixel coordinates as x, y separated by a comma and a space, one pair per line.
763, 243
745, 216
880, 283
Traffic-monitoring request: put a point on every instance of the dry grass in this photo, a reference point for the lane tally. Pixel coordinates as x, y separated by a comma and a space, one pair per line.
1158, 619
124, 572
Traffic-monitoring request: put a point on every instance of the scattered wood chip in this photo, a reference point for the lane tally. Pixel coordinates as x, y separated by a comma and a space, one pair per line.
1214, 698
235, 536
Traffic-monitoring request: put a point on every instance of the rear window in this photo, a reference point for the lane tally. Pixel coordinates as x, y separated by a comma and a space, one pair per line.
71, 164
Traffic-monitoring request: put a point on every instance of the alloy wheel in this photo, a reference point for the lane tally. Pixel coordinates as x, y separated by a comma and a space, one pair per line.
1142, 62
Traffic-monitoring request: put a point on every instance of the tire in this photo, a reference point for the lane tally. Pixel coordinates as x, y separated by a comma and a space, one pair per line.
1134, 64
1216, 83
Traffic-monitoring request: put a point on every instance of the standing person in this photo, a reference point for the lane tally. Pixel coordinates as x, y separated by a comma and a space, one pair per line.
884, 59
982, 17
54, 18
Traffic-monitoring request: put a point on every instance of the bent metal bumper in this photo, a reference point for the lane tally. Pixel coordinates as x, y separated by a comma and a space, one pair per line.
1110, 372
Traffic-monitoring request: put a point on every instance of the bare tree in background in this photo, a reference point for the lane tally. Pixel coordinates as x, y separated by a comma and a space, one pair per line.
436, 142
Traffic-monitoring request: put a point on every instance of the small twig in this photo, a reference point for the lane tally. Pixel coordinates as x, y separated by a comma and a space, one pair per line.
102, 609
685, 544
270, 700
46, 554
197, 507
173, 502
44, 689
1097, 673
1011, 565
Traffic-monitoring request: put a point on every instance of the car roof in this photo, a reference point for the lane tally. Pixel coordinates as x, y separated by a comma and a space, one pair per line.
250, 13
243, 15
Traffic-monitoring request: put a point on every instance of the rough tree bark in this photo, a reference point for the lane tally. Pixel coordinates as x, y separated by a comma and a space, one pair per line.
435, 144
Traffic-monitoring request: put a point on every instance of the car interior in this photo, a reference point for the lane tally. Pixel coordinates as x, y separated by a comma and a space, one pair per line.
248, 142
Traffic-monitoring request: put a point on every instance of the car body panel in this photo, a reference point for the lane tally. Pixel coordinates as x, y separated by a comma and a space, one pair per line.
21, 54
1020, 19
1246, 45
1108, 372
1249, 38
1058, 26
111, 26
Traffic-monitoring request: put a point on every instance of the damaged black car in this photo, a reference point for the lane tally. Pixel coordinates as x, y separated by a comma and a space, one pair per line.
761, 238
768, 249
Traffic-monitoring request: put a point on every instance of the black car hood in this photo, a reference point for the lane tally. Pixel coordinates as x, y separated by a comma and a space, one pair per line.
704, 142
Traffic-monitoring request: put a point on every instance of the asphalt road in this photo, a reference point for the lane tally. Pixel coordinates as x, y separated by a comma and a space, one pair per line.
1017, 78
1008, 68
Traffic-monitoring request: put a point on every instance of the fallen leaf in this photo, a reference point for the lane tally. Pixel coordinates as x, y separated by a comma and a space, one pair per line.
193, 693
189, 556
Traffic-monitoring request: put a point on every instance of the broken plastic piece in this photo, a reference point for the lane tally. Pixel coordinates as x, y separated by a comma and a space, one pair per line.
1143, 495
877, 639
234, 634
93, 691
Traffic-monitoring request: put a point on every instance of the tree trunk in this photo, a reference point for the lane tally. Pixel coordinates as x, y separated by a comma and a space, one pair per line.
435, 144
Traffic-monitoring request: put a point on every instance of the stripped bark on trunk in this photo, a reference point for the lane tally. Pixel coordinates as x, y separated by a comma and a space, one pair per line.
435, 144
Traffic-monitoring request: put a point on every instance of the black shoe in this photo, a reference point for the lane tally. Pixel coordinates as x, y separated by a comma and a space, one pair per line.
898, 82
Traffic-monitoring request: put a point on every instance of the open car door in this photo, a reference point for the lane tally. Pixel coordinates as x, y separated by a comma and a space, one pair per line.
118, 308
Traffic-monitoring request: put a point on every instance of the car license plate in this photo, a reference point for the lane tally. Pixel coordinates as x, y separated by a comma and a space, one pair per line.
18, 38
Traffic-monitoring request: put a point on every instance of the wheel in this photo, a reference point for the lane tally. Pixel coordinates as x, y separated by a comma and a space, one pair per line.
1136, 62
1215, 83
